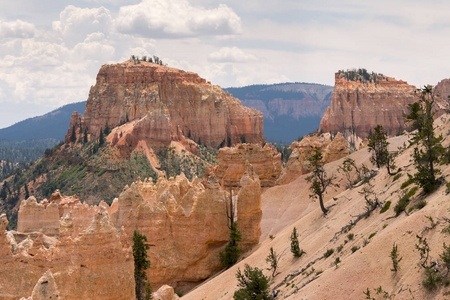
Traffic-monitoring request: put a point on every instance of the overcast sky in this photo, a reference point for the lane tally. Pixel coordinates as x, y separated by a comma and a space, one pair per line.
51, 50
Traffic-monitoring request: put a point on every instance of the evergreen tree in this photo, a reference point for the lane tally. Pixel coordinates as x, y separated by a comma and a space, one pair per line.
141, 264
230, 255
378, 145
101, 138
253, 284
232, 251
428, 150
107, 130
318, 179
27, 193
85, 137
295, 247
73, 136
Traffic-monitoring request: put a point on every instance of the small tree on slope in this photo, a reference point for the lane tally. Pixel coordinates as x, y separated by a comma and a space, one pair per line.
318, 179
428, 150
141, 264
253, 284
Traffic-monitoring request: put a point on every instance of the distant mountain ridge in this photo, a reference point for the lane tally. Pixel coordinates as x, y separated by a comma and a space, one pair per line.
52, 125
290, 110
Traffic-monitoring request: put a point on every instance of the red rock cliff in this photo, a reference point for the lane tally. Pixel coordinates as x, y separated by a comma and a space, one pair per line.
357, 106
170, 101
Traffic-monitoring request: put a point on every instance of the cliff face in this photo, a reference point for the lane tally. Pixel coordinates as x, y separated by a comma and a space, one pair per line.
442, 91
266, 162
357, 106
171, 101
83, 251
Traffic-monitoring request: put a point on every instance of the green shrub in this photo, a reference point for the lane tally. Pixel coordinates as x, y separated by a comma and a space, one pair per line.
385, 207
372, 235
432, 279
421, 204
252, 284
328, 253
406, 183
354, 249
397, 177
350, 236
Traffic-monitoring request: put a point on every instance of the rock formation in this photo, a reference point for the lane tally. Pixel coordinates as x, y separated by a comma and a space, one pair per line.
442, 91
358, 106
167, 102
331, 150
266, 162
83, 264
88, 248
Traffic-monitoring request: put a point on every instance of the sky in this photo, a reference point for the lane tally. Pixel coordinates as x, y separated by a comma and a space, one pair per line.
51, 50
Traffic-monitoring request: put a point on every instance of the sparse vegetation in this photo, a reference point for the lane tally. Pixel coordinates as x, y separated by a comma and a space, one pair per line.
318, 178
428, 150
295, 247
273, 259
385, 207
396, 259
328, 253
354, 249
252, 284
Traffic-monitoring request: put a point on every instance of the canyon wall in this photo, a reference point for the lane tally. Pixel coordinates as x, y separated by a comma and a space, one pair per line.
85, 252
266, 162
170, 101
357, 107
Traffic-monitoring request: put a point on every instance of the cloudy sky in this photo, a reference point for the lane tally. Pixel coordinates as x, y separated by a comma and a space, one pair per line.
51, 50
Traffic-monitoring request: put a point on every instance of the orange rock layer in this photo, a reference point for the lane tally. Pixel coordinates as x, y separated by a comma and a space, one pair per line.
357, 107
84, 252
169, 102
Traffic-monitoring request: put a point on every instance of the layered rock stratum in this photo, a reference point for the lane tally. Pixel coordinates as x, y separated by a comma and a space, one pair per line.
168, 103
266, 162
358, 105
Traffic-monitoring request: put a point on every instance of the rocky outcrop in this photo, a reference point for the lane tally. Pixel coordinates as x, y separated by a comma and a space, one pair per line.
249, 212
358, 106
88, 248
87, 264
164, 211
331, 149
166, 292
266, 162
442, 91
167, 101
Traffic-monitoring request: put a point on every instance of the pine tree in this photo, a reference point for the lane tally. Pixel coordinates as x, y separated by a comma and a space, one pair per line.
318, 179
141, 264
428, 150
85, 137
295, 247
73, 136
378, 145
253, 284
232, 251
101, 138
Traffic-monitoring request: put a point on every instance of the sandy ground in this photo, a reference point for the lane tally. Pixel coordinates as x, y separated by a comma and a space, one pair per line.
369, 265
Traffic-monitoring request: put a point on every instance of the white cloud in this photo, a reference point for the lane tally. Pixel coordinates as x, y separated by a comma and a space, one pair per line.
231, 54
76, 23
176, 18
16, 29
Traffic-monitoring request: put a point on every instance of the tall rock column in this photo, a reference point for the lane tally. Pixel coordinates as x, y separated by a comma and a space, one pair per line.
249, 211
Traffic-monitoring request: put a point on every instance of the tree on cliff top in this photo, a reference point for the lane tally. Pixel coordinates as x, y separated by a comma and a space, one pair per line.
141, 264
428, 150
318, 179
